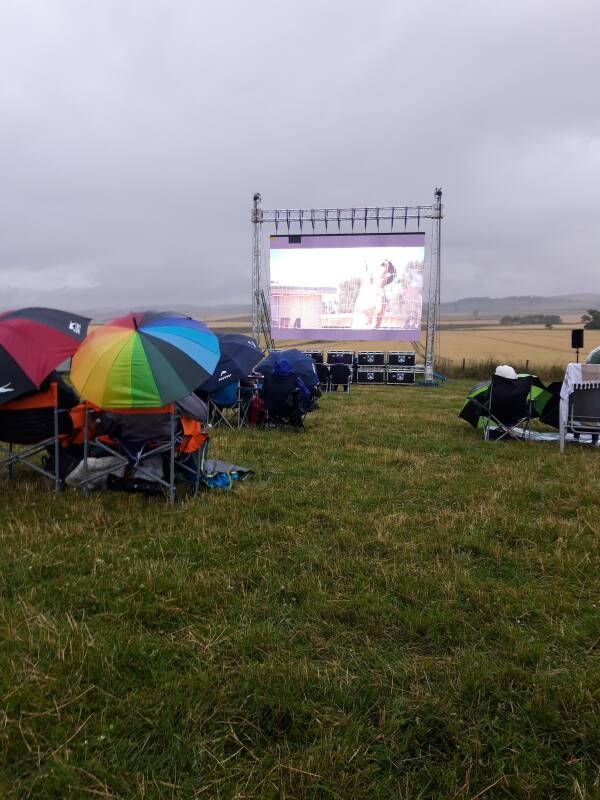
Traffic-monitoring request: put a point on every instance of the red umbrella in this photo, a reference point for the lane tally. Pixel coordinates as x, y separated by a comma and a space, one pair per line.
33, 342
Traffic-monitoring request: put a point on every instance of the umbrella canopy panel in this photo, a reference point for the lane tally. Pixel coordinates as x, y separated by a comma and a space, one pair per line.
547, 404
593, 357
239, 355
475, 405
144, 360
302, 365
33, 342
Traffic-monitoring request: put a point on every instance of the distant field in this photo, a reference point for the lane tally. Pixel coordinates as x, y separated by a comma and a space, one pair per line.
473, 340
506, 344
219, 323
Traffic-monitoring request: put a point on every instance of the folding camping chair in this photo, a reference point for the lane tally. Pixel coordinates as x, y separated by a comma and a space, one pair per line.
283, 402
324, 376
340, 375
509, 406
46, 399
583, 415
224, 407
186, 449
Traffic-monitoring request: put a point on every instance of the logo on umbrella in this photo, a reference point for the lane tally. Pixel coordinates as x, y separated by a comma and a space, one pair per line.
224, 375
75, 327
5, 388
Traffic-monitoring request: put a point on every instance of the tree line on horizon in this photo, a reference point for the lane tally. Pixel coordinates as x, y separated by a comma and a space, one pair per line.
591, 320
531, 319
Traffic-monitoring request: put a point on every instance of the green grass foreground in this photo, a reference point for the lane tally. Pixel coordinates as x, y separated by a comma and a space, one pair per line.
392, 608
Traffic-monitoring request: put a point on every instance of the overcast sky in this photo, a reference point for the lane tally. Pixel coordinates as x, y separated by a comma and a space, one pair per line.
133, 134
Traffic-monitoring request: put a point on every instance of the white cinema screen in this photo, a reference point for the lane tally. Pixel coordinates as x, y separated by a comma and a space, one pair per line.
347, 286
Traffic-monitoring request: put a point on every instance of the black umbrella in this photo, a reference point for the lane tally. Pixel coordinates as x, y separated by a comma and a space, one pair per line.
548, 404
239, 355
302, 365
33, 342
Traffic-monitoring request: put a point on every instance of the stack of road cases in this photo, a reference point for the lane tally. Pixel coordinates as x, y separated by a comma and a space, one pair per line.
371, 358
370, 375
398, 358
400, 377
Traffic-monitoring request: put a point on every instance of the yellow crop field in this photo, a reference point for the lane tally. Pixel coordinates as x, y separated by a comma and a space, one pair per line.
473, 340
506, 344
480, 343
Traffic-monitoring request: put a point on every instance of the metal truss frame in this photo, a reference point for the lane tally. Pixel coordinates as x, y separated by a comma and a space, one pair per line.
398, 218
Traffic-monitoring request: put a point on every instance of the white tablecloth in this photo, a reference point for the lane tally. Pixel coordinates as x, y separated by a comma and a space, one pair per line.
577, 376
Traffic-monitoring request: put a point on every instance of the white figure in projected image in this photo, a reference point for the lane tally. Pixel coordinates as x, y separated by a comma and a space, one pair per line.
373, 300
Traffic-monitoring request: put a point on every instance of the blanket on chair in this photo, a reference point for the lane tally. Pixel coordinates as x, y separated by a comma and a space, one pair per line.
577, 376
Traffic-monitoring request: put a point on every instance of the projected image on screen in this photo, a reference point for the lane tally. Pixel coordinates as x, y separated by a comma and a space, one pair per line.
336, 287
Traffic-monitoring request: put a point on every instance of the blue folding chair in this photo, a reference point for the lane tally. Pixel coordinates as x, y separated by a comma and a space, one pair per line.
224, 406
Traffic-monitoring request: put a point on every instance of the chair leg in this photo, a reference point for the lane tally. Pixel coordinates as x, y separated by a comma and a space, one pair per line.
201, 455
220, 419
172, 460
86, 447
244, 408
56, 454
9, 468
227, 421
199, 460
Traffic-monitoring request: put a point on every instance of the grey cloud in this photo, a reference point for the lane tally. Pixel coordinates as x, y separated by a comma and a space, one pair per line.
133, 135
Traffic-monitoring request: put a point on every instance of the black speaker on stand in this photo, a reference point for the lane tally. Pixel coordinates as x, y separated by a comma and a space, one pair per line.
577, 340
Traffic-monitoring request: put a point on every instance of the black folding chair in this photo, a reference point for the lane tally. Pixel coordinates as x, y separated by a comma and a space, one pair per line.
341, 375
583, 415
45, 437
245, 395
282, 402
324, 376
509, 406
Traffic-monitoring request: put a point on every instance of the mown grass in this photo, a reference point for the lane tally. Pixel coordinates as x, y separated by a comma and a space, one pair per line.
391, 608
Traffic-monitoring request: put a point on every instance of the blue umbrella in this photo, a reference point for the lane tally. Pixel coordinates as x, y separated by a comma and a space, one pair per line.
593, 357
302, 365
239, 355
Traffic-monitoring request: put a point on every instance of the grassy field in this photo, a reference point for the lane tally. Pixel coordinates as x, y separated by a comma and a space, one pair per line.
391, 608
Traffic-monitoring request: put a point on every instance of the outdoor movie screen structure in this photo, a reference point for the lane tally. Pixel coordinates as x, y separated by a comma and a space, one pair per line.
347, 286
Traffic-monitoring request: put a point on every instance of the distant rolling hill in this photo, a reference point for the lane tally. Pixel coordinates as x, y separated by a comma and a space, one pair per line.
226, 312
486, 307
521, 304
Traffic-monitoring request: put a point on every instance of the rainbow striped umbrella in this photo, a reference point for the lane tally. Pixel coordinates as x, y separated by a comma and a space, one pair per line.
144, 360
